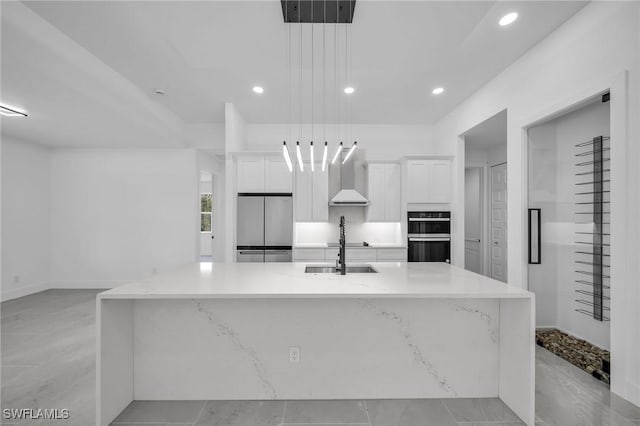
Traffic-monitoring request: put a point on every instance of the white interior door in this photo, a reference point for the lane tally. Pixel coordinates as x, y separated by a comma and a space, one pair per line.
499, 222
473, 208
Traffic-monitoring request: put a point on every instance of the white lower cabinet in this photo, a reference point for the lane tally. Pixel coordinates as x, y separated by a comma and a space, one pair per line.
360, 254
391, 254
353, 254
308, 255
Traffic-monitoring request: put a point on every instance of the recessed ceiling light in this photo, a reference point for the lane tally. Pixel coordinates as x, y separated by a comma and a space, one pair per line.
257, 89
349, 90
11, 111
437, 90
509, 18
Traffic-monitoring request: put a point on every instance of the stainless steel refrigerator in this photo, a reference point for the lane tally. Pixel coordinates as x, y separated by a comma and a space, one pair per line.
264, 228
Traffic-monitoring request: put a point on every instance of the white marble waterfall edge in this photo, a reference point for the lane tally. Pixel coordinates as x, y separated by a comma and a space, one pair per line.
350, 349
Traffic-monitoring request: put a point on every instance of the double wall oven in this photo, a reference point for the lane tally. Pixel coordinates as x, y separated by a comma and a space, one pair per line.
429, 235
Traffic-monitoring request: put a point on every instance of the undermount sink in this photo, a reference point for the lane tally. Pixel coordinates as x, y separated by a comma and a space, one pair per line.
328, 269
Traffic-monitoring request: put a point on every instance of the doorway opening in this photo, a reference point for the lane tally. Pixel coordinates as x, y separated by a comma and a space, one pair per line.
486, 197
207, 202
569, 234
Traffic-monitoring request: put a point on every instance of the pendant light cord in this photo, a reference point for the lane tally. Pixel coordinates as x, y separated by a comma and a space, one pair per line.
312, 71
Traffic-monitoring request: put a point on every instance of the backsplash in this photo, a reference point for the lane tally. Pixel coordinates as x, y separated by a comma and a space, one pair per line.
358, 230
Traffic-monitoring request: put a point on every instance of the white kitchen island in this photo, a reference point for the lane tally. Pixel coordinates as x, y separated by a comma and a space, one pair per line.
224, 332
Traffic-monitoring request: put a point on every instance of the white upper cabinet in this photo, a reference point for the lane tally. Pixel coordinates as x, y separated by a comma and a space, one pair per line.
429, 181
263, 174
439, 181
311, 195
320, 195
251, 174
277, 177
383, 192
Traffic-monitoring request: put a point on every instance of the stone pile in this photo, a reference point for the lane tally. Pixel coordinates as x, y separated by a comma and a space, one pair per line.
582, 354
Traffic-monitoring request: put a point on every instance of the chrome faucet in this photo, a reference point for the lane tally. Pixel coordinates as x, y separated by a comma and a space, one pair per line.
341, 264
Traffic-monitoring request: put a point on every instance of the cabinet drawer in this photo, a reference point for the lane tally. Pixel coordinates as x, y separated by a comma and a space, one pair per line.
331, 254
392, 254
309, 254
366, 254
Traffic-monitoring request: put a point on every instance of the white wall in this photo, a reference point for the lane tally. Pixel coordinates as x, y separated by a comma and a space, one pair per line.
206, 136
379, 141
25, 218
552, 188
118, 214
595, 50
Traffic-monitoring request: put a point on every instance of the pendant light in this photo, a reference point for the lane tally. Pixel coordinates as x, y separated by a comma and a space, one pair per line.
287, 158
338, 151
299, 156
338, 88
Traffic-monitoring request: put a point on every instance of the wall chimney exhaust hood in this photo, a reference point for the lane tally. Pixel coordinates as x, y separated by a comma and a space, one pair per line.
348, 196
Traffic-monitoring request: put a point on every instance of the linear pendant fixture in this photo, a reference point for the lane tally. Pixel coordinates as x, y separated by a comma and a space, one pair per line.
353, 148
318, 11
287, 158
337, 154
312, 159
324, 156
299, 155
10, 112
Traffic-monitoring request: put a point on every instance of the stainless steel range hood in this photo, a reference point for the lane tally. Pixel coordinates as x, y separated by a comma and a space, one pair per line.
348, 196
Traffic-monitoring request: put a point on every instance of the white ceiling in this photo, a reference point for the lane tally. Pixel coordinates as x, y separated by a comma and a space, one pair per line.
489, 133
207, 53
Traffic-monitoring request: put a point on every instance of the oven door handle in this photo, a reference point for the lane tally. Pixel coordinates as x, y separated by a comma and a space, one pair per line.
428, 239
429, 219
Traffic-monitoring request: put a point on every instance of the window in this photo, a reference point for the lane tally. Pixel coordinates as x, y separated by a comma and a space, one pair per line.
205, 212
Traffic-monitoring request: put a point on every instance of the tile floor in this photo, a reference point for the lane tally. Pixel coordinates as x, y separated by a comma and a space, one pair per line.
48, 361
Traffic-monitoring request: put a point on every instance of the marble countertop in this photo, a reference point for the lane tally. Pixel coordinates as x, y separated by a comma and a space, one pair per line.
288, 280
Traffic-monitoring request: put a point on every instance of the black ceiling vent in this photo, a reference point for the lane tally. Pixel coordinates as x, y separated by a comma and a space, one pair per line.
327, 11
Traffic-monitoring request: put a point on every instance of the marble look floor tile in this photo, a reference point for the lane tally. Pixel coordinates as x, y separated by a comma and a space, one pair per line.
467, 409
492, 424
343, 411
151, 424
242, 413
161, 412
563, 402
497, 411
414, 412
622, 407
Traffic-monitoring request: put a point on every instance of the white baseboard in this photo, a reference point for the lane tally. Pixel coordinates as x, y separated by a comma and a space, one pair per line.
633, 393
24, 291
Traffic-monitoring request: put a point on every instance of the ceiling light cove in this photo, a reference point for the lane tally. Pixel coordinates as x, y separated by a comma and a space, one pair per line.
349, 90
509, 18
438, 90
257, 89
11, 111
